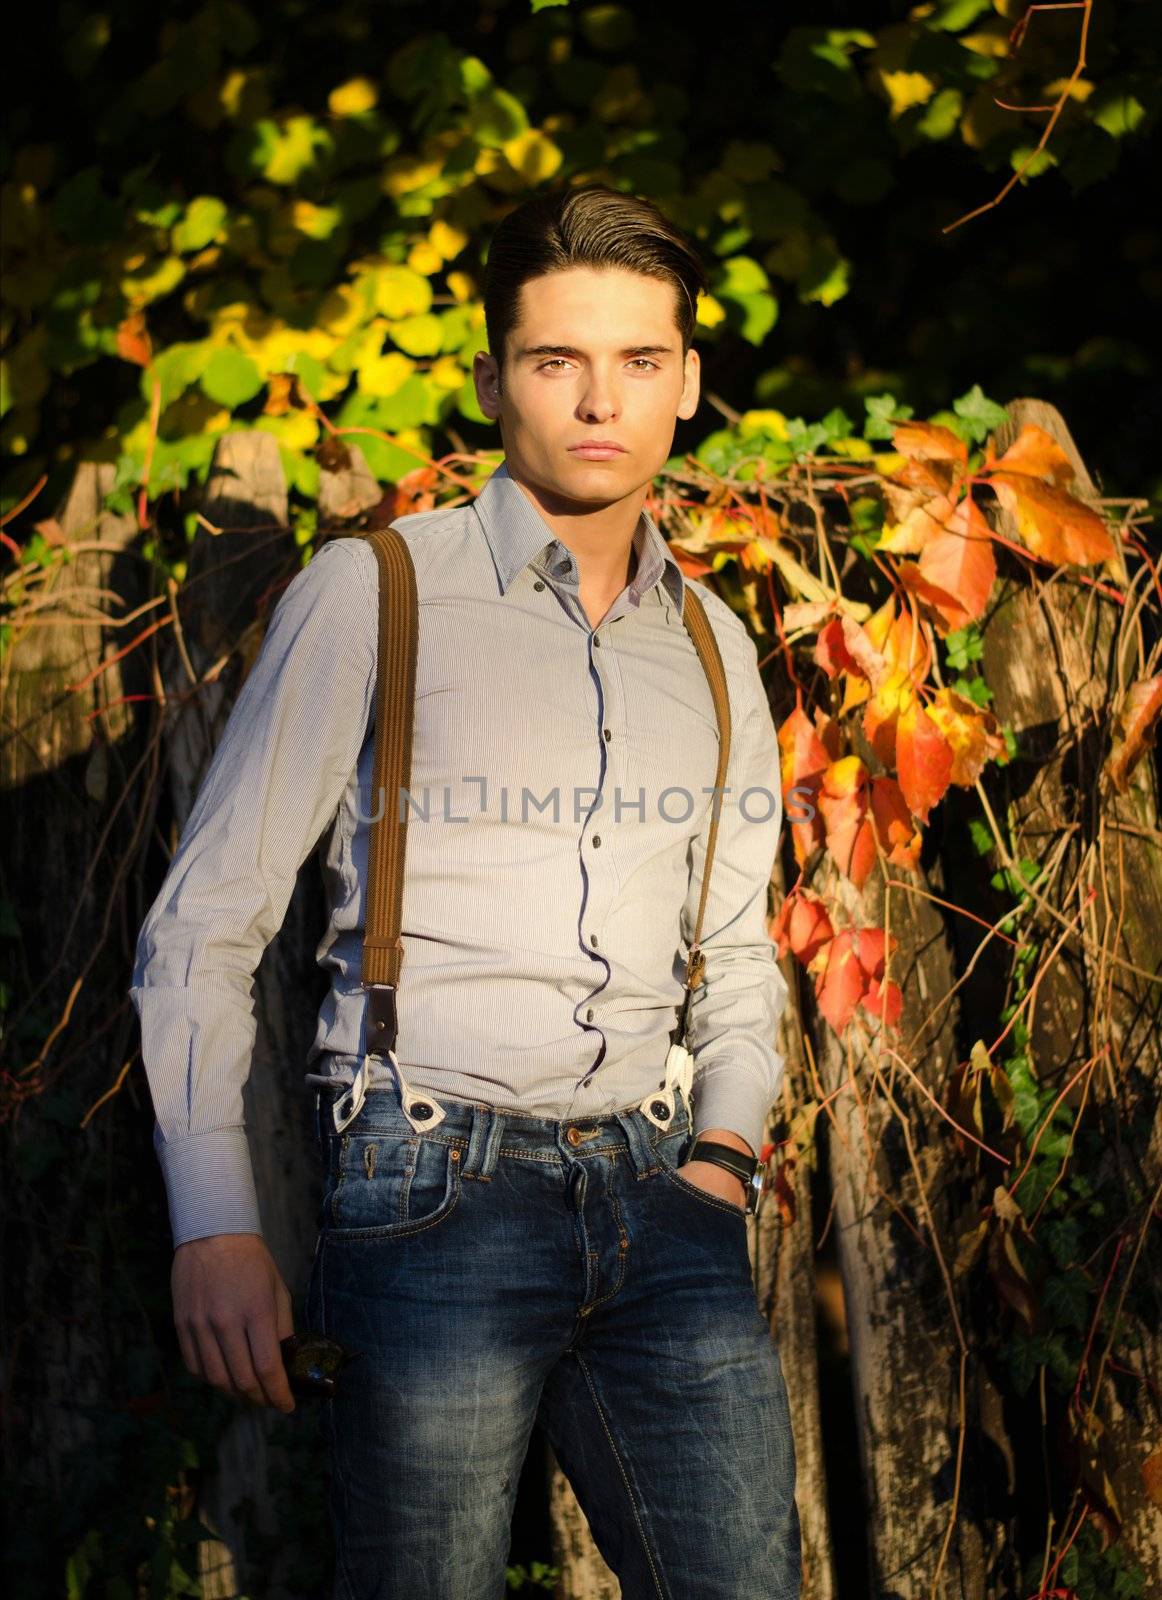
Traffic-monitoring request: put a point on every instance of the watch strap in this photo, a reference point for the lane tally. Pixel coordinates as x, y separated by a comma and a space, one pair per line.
723, 1155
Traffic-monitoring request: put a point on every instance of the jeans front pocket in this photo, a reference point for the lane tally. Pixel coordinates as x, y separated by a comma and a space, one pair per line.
671, 1150
387, 1184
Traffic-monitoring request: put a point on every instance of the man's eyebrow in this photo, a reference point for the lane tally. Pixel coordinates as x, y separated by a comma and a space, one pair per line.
572, 350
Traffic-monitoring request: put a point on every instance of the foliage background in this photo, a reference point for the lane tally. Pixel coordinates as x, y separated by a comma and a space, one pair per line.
203, 205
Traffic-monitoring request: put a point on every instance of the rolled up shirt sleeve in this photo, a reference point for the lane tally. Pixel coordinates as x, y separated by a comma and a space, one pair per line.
274, 784
735, 1011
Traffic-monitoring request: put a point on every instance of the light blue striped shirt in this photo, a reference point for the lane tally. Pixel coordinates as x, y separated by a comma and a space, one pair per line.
561, 789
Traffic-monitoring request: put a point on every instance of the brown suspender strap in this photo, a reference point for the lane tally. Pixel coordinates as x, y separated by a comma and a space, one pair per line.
395, 699
395, 695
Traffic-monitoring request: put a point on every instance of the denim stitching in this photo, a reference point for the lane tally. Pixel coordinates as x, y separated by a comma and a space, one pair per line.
392, 1231
624, 1475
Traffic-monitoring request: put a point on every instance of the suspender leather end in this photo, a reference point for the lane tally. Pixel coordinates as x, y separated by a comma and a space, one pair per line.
382, 1018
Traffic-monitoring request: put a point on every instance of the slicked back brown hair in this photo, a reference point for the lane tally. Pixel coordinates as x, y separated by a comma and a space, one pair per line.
590, 226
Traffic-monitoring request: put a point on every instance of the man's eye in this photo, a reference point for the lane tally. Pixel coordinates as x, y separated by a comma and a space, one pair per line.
646, 362
553, 361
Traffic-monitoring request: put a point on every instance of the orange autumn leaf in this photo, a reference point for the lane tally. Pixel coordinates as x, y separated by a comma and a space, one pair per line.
133, 341
1038, 455
908, 655
843, 802
923, 760
956, 569
802, 926
928, 441
897, 832
1134, 730
923, 519
864, 643
973, 734
280, 395
1055, 526
803, 759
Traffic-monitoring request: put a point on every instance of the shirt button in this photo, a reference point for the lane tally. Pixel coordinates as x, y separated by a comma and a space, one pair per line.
589, 1018
596, 840
607, 734
593, 939
596, 641
538, 584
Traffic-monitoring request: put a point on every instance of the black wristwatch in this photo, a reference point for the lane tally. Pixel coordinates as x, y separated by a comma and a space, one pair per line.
748, 1168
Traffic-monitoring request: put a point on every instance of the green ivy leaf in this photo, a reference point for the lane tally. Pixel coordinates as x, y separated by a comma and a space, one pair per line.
980, 414
231, 377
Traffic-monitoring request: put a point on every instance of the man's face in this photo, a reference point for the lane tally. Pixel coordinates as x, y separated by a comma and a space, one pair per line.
595, 354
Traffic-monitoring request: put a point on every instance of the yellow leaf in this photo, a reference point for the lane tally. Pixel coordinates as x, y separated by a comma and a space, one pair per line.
341, 311
384, 375
710, 311
888, 462
859, 448
532, 155
418, 336
298, 430
463, 286
1080, 89
447, 373
404, 173
317, 222
162, 276
907, 89
424, 258
446, 240
764, 421
400, 292
353, 98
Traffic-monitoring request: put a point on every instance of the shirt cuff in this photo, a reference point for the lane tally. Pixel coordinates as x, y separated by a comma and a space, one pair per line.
734, 1099
209, 1183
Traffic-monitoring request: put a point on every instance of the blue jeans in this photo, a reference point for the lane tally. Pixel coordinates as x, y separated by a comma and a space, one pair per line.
502, 1269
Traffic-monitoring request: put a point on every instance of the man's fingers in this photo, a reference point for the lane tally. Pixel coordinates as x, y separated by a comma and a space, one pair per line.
236, 1348
189, 1349
269, 1369
212, 1361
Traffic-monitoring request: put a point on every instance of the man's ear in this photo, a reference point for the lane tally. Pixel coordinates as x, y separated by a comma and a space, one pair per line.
486, 377
691, 386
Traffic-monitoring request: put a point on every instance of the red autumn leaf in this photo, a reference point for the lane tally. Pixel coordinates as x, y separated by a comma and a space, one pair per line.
957, 567
133, 342
692, 566
897, 832
1055, 526
1134, 730
841, 983
803, 760
883, 1001
1038, 455
843, 802
923, 760
802, 926
1152, 1476
973, 734
831, 650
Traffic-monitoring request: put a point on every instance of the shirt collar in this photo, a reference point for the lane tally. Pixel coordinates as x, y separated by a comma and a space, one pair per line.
517, 534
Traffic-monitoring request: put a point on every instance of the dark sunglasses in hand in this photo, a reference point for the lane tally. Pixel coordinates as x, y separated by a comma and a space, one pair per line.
313, 1364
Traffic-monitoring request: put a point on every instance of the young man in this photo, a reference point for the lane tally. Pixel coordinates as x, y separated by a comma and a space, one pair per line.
512, 1226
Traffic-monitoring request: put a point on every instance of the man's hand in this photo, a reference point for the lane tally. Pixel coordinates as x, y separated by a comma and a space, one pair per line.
231, 1308
714, 1179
